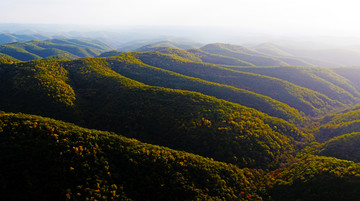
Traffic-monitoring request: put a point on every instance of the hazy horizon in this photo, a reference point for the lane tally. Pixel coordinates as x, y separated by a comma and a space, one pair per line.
279, 17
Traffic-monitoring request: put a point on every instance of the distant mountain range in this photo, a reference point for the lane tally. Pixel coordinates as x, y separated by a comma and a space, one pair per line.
259, 54
53, 48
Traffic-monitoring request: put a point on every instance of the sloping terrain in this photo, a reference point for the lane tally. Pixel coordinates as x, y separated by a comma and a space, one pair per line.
89, 93
303, 99
54, 48
61, 161
243, 54
133, 68
333, 86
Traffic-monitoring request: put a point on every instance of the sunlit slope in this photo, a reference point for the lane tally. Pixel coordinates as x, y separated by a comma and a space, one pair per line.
243, 54
315, 178
351, 73
111, 53
308, 101
133, 68
171, 51
321, 80
273, 50
345, 147
337, 124
218, 59
89, 93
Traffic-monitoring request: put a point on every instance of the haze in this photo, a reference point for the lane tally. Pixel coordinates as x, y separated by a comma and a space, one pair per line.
322, 17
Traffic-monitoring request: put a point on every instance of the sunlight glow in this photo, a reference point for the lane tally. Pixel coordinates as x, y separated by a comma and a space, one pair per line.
320, 16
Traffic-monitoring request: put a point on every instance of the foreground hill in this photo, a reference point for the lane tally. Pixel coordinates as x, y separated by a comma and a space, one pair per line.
54, 48
61, 161
89, 93
308, 101
315, 178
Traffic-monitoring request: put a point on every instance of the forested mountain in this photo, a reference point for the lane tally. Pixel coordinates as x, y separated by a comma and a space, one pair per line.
351, 73
177, 124
218, 59
338, 124
243, 54
133, 68
345, 146
111, 53
88, 92
322, 80
308, 101
54, 48
78, 163
61, 161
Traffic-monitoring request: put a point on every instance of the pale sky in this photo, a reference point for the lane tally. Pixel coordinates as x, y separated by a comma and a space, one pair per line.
320, 16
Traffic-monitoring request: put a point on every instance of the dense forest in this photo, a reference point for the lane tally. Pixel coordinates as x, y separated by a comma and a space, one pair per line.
175, 121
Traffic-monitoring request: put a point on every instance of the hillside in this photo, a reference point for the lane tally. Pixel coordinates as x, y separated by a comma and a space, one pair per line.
59, 48
276, 52
330, 84
271, 49
171, 51
61, 161
343, 57
174, 124
111, 53
89, 93
11, 38
243, 54
315, 178
133, 68
345, 147
77, 164
351, 73
303, 99
218, 59
337, 124
177, 43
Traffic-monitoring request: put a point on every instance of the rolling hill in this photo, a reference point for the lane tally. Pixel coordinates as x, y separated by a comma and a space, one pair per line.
351, 73
243, 54
62, 161
89, 93
322, 80
58, 48
337, 124
175, 125
344, 147
11, 38
303, 99
133, 68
